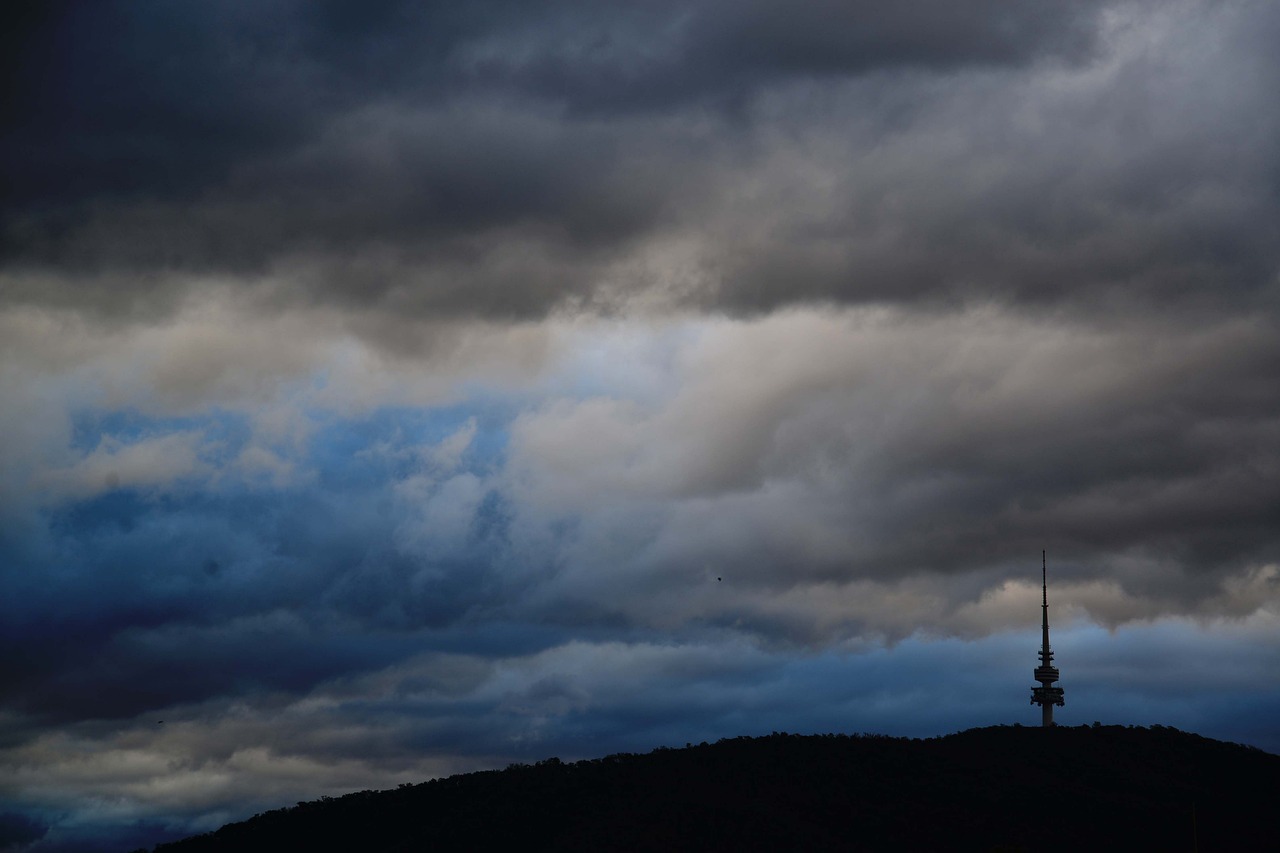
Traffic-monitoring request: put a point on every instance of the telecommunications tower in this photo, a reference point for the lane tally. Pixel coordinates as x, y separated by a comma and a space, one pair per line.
1046, 696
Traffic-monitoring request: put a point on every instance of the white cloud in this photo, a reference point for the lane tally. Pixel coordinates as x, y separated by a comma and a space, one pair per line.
159, 462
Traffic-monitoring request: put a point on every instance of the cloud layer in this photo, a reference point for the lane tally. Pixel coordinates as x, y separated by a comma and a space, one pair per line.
511, 163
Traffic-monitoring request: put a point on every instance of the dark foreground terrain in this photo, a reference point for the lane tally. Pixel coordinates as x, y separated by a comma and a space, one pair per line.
1003, 788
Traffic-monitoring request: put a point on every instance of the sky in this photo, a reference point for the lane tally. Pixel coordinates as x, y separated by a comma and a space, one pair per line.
390, 390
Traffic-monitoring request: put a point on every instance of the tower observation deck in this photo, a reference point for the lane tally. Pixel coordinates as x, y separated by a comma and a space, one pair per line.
1046, 695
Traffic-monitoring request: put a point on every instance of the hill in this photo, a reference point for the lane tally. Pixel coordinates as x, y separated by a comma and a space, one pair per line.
1001, 788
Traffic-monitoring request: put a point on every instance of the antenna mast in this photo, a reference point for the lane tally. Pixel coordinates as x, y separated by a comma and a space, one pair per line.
1046, 695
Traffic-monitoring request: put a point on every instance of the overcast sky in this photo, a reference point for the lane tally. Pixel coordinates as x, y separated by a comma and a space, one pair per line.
389, 389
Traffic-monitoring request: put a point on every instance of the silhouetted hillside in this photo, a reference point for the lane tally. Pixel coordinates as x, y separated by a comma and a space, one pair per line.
1003, 788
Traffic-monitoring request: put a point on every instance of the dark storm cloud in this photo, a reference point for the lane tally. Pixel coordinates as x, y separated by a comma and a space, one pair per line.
19, 829
138, 597
156, 97
176, 600
153, 98
489, 158
618, 58
421, 213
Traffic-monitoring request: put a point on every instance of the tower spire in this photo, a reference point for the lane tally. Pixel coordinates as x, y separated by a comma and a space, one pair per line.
1046, 695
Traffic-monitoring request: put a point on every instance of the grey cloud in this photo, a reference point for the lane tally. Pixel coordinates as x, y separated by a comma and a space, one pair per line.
847, 37
1106, 195
484, 209
466, 171
804, 451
